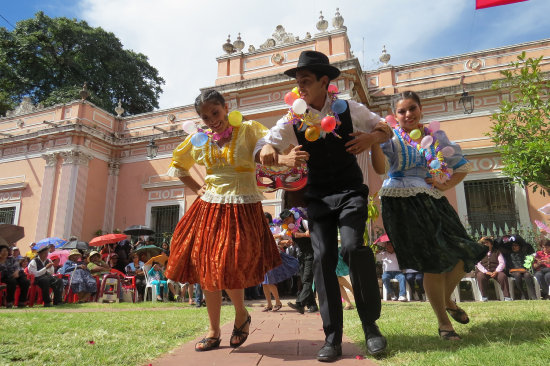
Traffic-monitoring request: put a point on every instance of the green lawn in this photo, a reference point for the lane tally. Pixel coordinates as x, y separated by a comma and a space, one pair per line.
500, 334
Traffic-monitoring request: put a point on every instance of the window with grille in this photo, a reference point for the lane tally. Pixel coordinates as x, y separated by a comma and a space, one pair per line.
164, 220
491, 205
7, 215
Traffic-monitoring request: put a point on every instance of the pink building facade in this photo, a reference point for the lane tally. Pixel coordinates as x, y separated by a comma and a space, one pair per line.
75, 169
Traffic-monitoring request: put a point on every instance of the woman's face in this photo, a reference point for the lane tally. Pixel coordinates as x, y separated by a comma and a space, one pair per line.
515, 248
546, 249
408, 113
214, 116
487, 243
4, 253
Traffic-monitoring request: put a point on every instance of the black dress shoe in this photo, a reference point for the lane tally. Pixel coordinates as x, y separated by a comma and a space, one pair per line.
376, 342
298, 308
329, 353
313, 309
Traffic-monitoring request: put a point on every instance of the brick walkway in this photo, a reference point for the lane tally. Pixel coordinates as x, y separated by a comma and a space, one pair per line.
284, 336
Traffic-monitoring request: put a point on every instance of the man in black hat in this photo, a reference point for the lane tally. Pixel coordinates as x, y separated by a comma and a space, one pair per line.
42, 269
336, 197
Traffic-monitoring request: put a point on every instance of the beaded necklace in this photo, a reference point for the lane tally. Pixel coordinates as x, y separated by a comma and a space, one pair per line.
313, 125
217, 136
216, 155
434, 157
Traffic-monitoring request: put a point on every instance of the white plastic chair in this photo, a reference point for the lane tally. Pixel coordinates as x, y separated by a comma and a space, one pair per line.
393, 280
475, 289
149, 285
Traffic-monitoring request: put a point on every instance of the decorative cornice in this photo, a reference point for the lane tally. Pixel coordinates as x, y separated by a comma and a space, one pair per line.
75, 157
51, 159
13, 186
156, 185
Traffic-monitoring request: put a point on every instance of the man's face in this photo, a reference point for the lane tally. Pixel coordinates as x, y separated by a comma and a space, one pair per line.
43, 255
313, 91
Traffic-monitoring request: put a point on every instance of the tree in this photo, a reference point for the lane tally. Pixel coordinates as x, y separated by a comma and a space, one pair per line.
49, 59
520, 129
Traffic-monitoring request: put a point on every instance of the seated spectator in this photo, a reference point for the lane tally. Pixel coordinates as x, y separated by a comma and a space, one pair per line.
32, 252
55, 260
156, 276
415, 280
492, 266
391, 270
166, 248
16, 253
135, 268
123, 249
542, 267
24, 262
81, 280
515, 261
177, 289
115, 263
96, 266
43, 269
12, 275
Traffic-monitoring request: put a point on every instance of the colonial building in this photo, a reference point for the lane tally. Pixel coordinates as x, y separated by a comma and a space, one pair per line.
75, 169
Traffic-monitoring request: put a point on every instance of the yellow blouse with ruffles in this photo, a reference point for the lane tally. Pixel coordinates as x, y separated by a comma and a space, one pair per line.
230, 170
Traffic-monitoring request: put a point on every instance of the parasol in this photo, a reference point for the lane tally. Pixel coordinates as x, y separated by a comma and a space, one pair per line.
162, 259
57, 242
11, 233
107, 239
62, 254
382, 239
138, 230
150, 250
75, 244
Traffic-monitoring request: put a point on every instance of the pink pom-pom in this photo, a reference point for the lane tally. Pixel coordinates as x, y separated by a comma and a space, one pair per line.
434, 126
390, 119
332, 89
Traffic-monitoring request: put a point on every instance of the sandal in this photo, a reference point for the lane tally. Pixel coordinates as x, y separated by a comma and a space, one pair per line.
348, 307
449, 335
208, 343
277, 307
267, 308
240, 333
459, 315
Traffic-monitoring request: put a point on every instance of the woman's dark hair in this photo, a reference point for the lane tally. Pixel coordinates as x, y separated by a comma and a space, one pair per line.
406, 95
4, 246
212, 96
486, 238
268, 217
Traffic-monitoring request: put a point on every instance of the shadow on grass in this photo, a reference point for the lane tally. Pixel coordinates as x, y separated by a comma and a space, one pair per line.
482, 334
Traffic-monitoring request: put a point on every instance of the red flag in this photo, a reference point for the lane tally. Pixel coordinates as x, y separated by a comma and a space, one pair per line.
481, 4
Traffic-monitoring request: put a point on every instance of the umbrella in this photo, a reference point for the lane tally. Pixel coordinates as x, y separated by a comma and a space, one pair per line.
48, 241
545, 209
11, 233
107, 239
162, 259
62, 254
542, 226
382, 239
138, 230
75, 244
150, 250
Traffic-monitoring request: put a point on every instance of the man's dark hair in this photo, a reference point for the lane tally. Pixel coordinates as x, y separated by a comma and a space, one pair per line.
286, 213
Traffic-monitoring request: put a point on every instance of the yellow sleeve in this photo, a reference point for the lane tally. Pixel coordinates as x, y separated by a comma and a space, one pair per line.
182, 160
255, 131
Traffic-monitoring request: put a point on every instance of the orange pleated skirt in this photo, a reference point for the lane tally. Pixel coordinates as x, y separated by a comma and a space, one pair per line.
222, 246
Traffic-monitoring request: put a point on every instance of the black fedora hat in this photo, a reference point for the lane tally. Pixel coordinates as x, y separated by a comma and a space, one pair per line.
316, 61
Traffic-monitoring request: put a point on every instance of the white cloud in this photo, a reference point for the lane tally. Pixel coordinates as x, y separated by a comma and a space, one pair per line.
182, 38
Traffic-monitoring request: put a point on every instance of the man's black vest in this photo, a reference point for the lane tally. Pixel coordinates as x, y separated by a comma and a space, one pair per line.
331, 167
40, 265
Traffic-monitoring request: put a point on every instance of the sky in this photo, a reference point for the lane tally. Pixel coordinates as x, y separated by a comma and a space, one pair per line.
183, 38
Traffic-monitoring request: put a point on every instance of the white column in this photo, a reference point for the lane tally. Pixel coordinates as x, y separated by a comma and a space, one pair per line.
48, 185
110, 198
73, 182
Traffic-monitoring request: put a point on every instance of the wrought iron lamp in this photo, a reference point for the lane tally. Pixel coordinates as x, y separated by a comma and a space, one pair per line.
466, 100
152, 149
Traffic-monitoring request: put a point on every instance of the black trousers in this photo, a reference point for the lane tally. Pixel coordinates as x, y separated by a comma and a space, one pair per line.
345, 211
12, 283
46, 282
306, 296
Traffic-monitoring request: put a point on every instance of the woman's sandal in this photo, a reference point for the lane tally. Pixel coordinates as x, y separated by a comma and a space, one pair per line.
449, 335
459, 315
277, 307
267, 308
240, 333
208, 343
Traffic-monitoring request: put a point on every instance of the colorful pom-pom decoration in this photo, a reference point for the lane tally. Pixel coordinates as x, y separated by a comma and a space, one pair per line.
415, 134
312, 133
328, 123
299, 106
235, 118
199, 139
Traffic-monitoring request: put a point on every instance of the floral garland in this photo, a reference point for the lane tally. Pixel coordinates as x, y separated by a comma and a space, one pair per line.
215, 154
217, 136
311, 123
430, 148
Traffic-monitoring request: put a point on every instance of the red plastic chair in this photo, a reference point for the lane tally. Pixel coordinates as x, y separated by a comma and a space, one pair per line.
128, 283
3, 292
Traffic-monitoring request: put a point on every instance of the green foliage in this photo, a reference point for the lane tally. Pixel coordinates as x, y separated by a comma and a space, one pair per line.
49, 59
520, 129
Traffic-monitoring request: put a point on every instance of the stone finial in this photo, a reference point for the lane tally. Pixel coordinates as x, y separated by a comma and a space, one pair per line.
322, 24
385, 57
228, 46
338, 20
84, 92
119, 110
238, 44
251, 48
308, 35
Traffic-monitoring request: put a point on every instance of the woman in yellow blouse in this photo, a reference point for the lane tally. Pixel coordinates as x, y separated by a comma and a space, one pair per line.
223, 241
